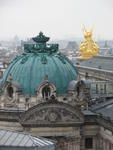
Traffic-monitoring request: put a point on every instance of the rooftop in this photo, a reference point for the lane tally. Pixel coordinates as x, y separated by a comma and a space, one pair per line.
10, 138
99, 62
104, 107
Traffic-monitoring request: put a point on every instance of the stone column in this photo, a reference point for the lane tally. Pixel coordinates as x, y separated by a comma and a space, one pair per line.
74, 144
104, 144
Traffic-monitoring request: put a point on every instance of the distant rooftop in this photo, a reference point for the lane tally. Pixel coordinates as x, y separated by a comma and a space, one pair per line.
99, 62
104, 107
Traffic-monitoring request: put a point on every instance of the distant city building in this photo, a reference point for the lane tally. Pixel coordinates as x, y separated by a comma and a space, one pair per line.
72, 46
106, 48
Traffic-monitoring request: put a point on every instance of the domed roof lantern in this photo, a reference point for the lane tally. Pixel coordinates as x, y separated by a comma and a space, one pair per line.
40, 46
41, 38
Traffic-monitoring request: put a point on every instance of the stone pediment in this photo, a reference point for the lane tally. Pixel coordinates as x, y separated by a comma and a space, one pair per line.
52, 114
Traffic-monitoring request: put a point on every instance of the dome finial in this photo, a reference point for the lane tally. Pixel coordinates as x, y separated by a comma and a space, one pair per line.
41, 38
41, 33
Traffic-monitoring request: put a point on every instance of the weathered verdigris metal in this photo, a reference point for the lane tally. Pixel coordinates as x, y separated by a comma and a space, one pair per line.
37, 61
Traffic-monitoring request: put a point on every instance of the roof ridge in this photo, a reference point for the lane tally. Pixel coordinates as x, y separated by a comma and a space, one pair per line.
34, 144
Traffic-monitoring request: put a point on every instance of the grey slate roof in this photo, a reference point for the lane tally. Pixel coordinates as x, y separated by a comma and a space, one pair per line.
102, 104
19, 139
107, 112
88, 112
100, 62
105, 108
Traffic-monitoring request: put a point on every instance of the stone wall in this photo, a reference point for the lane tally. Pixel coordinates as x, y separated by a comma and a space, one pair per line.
106, 139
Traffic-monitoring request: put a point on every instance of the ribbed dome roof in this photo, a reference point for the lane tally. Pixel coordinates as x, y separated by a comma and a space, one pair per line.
37, 61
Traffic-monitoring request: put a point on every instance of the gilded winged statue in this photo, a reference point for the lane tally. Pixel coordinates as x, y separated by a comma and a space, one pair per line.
88, 48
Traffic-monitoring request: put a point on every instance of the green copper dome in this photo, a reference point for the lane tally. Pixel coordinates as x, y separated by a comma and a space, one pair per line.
37, 61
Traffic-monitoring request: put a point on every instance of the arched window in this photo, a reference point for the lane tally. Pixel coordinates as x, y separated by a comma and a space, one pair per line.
46, 91
10, 91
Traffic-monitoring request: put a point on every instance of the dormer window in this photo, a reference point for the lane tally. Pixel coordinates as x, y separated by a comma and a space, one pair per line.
46, 91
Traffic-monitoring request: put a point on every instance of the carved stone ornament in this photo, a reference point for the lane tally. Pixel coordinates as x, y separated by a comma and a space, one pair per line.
11, 90
50, 114
82, 93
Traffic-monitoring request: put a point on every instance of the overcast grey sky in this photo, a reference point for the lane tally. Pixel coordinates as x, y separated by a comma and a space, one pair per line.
56, 18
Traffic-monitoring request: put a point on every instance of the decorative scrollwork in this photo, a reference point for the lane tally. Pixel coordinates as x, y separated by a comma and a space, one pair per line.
51, 114
24, 59
43, 59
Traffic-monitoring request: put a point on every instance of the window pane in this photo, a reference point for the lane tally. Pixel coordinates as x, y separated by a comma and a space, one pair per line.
88, 143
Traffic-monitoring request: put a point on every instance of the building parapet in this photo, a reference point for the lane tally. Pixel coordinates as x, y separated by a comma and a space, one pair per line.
95, 73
